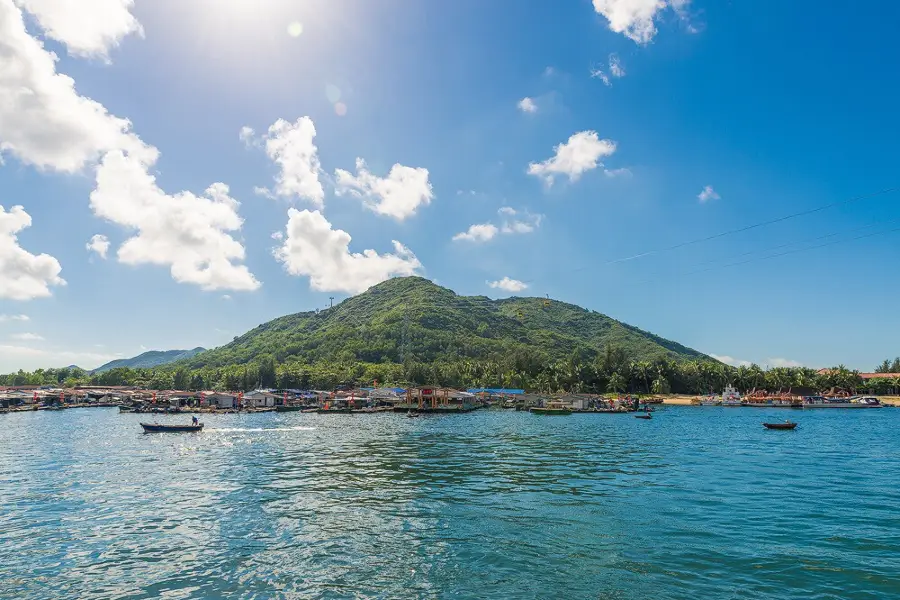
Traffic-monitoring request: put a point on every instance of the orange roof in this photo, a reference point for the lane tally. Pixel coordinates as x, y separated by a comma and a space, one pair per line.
879, 375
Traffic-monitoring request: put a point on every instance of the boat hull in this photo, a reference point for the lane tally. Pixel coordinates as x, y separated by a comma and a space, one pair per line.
157, 428
551, 412
780, 425
288, 408
841, 405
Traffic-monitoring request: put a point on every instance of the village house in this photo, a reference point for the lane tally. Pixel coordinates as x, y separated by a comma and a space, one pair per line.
221, 399
261, 399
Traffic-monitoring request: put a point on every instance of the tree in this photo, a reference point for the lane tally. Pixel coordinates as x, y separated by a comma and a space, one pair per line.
616, 384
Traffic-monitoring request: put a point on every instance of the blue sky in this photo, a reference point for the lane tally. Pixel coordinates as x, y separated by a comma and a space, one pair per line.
778, 107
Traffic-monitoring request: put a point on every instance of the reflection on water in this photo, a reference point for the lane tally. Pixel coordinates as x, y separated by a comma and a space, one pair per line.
699, 502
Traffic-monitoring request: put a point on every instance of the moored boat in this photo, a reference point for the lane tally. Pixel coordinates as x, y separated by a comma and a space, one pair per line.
838, 402
286, 408
552, 408
785, 425
160, 428
731, 397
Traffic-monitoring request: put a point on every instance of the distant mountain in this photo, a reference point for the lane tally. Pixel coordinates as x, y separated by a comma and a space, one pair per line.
152, 358
411, 318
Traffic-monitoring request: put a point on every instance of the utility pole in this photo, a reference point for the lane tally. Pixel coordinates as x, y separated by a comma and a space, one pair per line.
331, 299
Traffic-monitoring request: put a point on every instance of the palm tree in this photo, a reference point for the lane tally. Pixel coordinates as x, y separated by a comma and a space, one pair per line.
616, 384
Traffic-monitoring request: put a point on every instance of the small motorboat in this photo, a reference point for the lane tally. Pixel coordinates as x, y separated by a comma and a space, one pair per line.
412, 415
648, 417
785, 425
157, 428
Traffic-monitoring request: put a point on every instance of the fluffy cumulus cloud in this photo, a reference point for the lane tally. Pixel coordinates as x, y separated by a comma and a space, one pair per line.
23, 276
481, 232
186, 232
581, 153
291, 146
46, 123
707, 194
509, 285
43, 120
518, 221
636, 18
313, 249
86, 27
399, 195
99, 245
527, 105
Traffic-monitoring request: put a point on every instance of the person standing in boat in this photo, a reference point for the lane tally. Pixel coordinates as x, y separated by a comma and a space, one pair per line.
195, 421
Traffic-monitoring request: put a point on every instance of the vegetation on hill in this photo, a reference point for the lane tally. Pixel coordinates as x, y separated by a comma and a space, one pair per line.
152, 358
410, 331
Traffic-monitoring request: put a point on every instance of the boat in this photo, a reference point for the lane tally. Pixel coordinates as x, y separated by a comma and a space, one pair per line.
412, 414
785, 425
552, 408
334, 411
286, 408
648, 417
156, 427
710, 400
839, 402
731, 397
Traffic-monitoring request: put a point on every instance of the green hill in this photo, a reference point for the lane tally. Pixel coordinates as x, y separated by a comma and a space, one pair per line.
147, 360
412, 319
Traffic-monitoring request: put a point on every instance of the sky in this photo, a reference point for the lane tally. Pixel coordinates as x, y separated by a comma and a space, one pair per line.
176, 172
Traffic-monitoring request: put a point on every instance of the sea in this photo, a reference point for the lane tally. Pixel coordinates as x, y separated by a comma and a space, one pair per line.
699, 502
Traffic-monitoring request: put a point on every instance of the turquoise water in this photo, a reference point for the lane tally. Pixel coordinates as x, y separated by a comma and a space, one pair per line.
697, 503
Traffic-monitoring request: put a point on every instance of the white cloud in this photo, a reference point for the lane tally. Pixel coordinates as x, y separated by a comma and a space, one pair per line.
477, 233
277, 235
248, 136
23, 275
510, 285
99, 244
579, 154
615, 66
623, 172
783, 362
734, 362
312, 248
291, 146
527, 105
87, 27
5, 318
599, 74
226, 297
398, 195
185, 231
635, 18
14, 357
43, 120
518, 221
707, 194
27, 337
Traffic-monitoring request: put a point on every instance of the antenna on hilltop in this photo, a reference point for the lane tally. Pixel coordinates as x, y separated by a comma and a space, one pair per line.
331, 299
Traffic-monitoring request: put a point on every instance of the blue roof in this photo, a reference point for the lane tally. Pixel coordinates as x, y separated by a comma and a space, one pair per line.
496, 391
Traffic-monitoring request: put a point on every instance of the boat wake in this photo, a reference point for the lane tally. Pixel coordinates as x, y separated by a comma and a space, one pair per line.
255, 429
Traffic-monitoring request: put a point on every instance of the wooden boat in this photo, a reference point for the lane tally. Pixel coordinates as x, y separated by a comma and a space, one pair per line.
334, 411
156, 427
412, 415
552, 408
289, 408
643, 416
785, 425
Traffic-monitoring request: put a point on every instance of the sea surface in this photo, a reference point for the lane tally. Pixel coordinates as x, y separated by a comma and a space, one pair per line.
697, 503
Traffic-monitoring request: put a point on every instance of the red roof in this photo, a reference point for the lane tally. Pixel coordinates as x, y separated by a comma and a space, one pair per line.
879, 375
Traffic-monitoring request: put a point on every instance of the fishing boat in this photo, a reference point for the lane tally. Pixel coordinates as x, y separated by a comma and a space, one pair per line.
412, 414
552, 408
286, 408
334, 411
648, 416
157, 428
710, 400
840, 402
785, 425
731, 397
